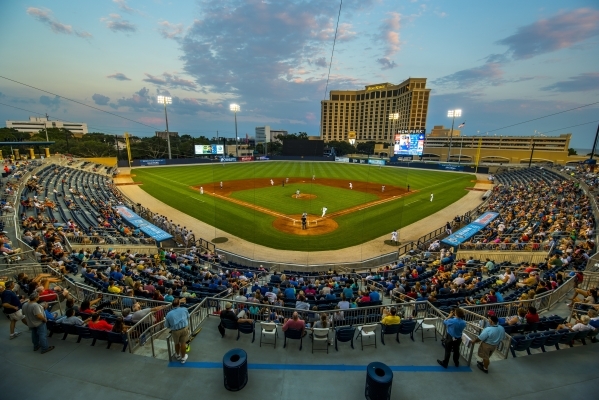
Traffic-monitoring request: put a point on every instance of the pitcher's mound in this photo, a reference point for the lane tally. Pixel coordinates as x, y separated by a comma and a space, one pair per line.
304, 196
316, 225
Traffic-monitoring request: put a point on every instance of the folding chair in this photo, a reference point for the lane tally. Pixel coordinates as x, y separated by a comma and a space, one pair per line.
268, 329
369, 331
320, 335
427, 323
294, 334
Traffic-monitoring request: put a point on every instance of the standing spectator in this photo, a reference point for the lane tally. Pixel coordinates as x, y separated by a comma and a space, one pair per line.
12, 307
455, 327
36, 320
177, 321
489, 339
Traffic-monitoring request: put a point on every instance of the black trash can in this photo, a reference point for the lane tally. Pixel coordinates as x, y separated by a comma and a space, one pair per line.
235, 369
379, 378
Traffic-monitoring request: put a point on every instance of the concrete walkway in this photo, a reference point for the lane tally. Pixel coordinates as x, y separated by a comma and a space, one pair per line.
370, 249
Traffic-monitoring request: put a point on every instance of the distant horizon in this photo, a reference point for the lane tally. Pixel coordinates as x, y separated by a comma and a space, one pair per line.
530, 66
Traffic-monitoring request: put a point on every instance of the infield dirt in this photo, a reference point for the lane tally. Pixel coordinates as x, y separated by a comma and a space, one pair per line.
291, 223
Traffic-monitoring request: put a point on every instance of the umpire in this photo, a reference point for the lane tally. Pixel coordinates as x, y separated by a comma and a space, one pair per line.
455, 326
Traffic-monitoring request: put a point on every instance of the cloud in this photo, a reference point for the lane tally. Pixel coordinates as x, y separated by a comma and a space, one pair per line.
386, 63
53, 103
119, 76
116, 23
581, 83
320, 62
170, 31
389, 33
490, 73
45, 16
123, 6
139, 101
170, 80
255, 52
558, 32
100, 100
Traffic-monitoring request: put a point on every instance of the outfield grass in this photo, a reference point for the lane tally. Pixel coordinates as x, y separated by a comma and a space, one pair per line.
173, 186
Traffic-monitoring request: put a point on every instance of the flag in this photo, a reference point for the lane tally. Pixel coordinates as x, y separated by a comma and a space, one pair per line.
461, 125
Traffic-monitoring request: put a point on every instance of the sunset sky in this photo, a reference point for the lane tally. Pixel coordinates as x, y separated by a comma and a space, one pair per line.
500, 62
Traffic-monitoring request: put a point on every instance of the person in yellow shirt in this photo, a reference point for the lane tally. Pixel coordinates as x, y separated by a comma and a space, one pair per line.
112, 288
390, 316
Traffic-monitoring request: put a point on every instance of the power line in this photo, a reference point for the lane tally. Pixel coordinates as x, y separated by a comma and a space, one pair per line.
78, 102
545, 116
573, 126
333, 50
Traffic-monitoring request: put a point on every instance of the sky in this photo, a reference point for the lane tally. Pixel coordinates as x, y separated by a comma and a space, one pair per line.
501, 63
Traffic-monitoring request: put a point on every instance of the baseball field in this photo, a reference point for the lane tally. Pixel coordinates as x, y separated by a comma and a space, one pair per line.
263, 202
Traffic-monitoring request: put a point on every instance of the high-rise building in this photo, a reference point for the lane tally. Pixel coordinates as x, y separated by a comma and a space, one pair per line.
375, 113
36, 124
262, 134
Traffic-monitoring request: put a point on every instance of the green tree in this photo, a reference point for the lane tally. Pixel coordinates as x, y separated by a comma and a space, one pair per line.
366, 147
572, 152
342, 147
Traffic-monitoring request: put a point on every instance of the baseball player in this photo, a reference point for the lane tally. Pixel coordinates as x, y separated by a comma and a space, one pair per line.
324, 211
201, 190
297, 194
394, 236
383, 188
286, 180
221, 184
313, 177
351, 186
432, 197
272, 183
304, 219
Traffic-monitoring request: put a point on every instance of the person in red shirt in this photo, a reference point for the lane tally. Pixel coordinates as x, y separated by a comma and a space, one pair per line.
99, 324
364, 297
532, 317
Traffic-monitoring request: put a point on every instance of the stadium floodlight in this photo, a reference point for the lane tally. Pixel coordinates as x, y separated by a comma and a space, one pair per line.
166, 100
452, 114
235, 108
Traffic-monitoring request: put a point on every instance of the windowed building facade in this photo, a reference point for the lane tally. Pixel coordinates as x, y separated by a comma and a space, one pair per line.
376, 112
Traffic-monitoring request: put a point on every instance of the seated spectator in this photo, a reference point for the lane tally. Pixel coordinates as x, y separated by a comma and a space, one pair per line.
229, 314
169, 296
301, 304
532, 317
589, 296
390, 316
530, 281
581, 325
70, 318
50, 316
343, 304
119, 326
374, 295
519, 319
294, 323
99, 324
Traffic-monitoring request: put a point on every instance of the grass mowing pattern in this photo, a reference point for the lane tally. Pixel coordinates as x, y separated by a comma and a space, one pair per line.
172, 185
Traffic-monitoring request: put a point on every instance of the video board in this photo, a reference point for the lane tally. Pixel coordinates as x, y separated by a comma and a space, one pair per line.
409, 144
209, 149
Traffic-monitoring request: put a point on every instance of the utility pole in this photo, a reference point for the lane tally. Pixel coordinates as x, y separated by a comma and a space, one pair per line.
46, 128
531, 153
116, 140
595, 143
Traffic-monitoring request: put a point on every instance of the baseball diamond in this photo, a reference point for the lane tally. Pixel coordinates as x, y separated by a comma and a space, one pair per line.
248, 206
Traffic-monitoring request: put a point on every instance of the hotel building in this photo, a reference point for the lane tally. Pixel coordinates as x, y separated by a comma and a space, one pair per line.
36, 124
375, 112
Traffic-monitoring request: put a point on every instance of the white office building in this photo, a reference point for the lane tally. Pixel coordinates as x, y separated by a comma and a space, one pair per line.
262, 134
35, 124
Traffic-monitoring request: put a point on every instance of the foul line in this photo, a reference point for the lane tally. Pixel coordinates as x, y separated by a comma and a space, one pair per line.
321, 367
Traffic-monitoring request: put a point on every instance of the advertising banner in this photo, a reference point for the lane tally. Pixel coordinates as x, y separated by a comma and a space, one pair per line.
342, 159
465, 233
160, 161
228, 159
247, 158
376, 162
138, 222
263, 158
451, 167
209, 149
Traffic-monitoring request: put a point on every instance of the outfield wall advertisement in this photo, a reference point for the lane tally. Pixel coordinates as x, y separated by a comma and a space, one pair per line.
146, 163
